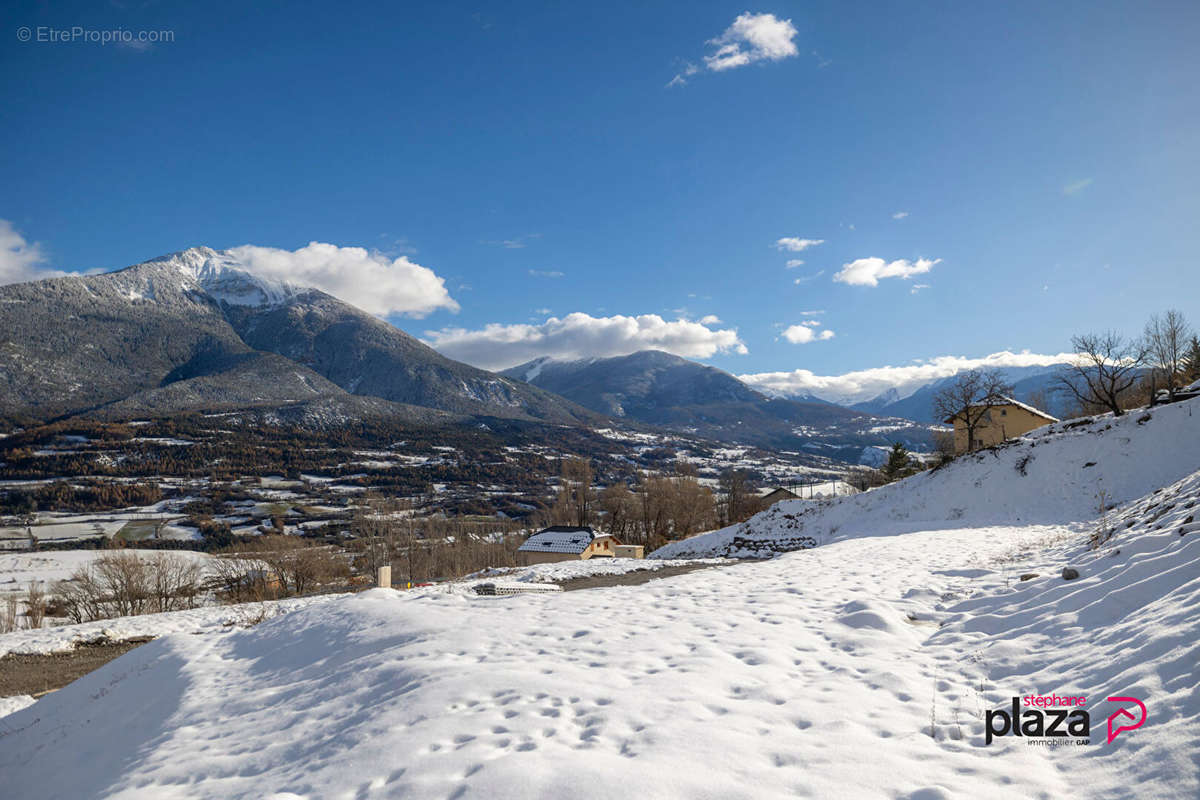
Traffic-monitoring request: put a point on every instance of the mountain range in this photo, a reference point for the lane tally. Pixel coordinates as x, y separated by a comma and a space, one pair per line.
664, 390
198, 331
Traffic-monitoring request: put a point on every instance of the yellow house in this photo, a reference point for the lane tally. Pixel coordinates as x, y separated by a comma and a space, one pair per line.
1006, 419
566, 543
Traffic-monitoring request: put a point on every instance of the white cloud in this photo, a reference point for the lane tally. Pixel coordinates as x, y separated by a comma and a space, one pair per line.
900, 215
807, 278
1077, 186
21, 260
545, 273
916, 287
581, 335
807, 332
370, 280
680, 78
795, 244
812, 313
513, 244
710, 319
869, 271
751, 38
854, 387
542, 311
792, 263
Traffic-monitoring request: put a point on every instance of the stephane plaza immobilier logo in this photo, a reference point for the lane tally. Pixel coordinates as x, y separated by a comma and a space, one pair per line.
1055, 720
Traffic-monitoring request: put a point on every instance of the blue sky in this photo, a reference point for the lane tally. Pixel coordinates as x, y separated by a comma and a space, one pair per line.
1033, 166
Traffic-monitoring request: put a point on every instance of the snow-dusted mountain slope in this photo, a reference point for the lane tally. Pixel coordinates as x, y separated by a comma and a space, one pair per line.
116, 343
1060, 473
217, 274
662, 389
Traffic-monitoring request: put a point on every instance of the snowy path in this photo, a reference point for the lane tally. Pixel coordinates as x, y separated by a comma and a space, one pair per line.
804, 676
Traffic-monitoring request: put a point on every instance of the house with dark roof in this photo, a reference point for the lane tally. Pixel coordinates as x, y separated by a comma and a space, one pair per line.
566, 543
775, 495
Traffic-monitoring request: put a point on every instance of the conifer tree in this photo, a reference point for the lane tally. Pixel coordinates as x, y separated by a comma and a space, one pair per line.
1191, 361
899, 464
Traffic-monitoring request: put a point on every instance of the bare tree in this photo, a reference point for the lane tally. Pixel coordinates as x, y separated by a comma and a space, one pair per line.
380, 523
126, 578
296, 566
616, 503
574, 503
969, 399
739, 501
654, 491
1106, 366
8, 616
693, 507
175, 581
115, 585
237, 578
1165, 342
35, 604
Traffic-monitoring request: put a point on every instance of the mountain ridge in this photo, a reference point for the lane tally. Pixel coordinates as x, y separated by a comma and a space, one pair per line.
658, 388
114, 340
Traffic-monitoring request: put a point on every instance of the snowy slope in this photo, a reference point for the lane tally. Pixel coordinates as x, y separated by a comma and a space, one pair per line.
861, 668
204, 271
1059, 473
207, 619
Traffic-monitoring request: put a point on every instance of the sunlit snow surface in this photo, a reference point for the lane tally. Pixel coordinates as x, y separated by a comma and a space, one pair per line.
859, 668
821, 673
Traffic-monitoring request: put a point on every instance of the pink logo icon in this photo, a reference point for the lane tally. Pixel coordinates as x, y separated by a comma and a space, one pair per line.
1114, 725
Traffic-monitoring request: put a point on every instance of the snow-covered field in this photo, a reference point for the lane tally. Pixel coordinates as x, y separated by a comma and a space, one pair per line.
210, 619
861, 668
18, 570
45, 568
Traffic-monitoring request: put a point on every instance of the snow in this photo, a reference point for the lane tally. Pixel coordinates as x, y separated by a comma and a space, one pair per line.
1037, 412
13, 704
209, 619
765, 679
1059, 473
556, 571
226, 279
106, 526
18, 570
535, 370
814, 490
567, 540
858, 668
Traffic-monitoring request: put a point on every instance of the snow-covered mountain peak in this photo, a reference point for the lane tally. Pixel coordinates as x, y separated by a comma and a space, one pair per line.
222, 276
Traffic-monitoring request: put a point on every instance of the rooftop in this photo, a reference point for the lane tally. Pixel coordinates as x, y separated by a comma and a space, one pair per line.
559, 539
